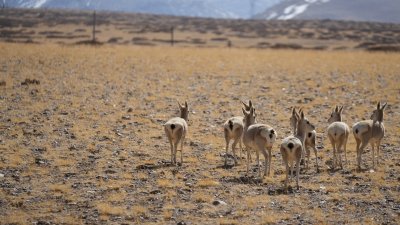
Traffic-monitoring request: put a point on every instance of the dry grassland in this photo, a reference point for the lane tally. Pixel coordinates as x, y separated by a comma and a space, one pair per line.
85, 144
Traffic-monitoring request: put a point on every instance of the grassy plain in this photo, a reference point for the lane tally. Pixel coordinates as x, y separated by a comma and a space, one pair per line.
86, 144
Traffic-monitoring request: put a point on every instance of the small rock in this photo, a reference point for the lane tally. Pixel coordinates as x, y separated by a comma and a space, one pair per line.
192, 143
181, 223
126, 117
155, 192
1, 175
40, 161
130, 109
219, 202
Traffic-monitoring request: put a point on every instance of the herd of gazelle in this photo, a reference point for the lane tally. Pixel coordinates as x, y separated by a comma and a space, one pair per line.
261, 137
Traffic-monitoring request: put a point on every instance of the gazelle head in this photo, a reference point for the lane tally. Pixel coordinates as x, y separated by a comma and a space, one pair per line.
377, 114
336, 115
247, 107
184, 111
304, 124
249, 116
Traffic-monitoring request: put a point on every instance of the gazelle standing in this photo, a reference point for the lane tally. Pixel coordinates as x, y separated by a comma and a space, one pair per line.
310, 141
338, 133
176, 130
293, 146
259, 137
233, 130
370, 131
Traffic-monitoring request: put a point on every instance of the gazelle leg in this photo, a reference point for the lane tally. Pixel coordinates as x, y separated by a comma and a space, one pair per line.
378, 148
373, 154
226, 150
234, 150
297, 173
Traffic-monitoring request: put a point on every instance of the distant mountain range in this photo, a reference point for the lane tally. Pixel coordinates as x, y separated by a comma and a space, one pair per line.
358, 10
243, 9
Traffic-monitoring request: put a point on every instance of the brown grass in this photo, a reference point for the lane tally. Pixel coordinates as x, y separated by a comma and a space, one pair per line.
207, 183
105, 163
110, 210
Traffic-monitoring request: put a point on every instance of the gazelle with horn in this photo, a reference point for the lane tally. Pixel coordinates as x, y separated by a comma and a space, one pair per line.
259, 137
338, 133
370, 131
176, 130
233, 130
293, 146
310, 141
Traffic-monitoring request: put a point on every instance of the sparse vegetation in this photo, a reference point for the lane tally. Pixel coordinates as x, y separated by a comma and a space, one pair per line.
81, 136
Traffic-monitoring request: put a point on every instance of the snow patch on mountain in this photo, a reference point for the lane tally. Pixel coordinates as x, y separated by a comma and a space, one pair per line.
294, 10
39, 3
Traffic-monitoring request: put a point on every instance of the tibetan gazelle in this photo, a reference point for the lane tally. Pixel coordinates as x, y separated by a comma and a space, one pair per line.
370, 131
176, 130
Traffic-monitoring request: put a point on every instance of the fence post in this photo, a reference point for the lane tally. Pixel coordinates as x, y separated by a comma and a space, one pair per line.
172, 36
94, 27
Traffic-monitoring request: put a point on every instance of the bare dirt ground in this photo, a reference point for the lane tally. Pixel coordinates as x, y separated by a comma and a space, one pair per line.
81, 136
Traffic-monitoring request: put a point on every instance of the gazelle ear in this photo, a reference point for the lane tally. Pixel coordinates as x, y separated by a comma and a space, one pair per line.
186, 105
180, 106
245, 105
295, 114
302, 115
384, 106
294, 111
379, 105
250, 104
336, 109
244, 112
341, 110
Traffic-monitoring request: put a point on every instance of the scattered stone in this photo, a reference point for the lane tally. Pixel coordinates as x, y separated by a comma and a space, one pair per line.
68, 175
41, 222
219, 202
28, 81
41, 162
127, 117
39, 150
194, 144
155, 192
